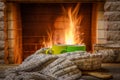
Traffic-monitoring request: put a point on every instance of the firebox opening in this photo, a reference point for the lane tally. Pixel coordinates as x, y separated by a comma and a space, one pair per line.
39, 21
32, 26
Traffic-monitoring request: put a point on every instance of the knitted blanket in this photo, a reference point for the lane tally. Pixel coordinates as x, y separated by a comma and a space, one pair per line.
67, 66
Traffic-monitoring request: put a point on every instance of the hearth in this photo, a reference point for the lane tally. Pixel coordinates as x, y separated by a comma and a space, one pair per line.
33, 25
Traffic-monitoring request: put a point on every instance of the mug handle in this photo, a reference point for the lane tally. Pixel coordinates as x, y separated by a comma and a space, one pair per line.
49, 51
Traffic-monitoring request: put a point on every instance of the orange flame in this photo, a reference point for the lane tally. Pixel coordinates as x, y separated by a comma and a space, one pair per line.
71, 35
49, 41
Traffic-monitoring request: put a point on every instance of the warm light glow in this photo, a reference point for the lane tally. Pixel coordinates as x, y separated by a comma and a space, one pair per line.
49, 41
70, 28
71, 34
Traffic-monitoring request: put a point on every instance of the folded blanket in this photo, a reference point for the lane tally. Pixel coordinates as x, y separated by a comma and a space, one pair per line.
67, 66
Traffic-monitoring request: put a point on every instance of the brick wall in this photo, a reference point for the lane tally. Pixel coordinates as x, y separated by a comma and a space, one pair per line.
101, 38
1, 32
14, 43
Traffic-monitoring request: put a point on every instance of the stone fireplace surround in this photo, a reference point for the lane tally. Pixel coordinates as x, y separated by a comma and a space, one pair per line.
112, 19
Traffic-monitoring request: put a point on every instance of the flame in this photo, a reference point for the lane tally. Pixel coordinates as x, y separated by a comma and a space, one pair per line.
71, 23
71, 33
49, 41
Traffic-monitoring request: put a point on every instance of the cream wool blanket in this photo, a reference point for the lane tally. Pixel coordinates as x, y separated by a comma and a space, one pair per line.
67, 66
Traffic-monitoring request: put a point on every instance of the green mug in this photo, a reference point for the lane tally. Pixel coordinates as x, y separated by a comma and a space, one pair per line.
57, 49
72, 48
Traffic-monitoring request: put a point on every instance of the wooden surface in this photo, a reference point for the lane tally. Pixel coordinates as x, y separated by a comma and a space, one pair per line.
103, 73
109, 70
97, 74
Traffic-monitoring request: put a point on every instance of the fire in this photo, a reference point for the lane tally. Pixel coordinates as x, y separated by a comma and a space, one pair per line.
49, 41
71, 33
71, 23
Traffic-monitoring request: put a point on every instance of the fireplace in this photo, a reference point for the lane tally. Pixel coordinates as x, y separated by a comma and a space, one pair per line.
32, 26
41, 20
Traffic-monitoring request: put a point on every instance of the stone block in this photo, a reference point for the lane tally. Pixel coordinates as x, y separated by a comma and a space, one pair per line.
101, 41
1, 16
113, 35
101, 34
11, 60
112, 6
2, 54
11, 43
113, 25
2, 6
10, 16
1, 35
100, 15
11, 52
10, 25
2, 44
112, 16
100, 25
11, 34
1, 25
